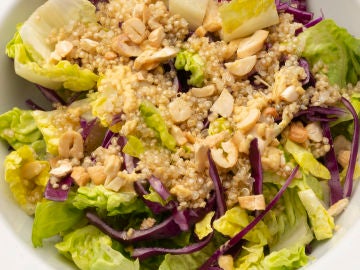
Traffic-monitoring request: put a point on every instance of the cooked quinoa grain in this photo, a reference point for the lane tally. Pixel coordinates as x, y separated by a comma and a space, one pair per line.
135, 68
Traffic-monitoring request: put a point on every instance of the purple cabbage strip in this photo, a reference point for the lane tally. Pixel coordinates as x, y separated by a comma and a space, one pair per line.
155, 207
233, 241
158, 186
58, 194
336, 190
165, 229
305, 65
321, 112
86, 127
107, 139
130, 162
300, 15
348, 185
50, 95
33, 105
256, 169
143, 253
219, 190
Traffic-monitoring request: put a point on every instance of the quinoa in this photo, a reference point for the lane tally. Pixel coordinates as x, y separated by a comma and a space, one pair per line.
123, 87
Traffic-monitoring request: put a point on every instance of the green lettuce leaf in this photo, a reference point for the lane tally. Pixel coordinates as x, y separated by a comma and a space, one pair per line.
191, 62
32, 54
287, 258
52, 218
154, 120
104, 200
306, 160
134, 146
18, 128
27, 177
89, 248
321, 222
203, 227
333, 46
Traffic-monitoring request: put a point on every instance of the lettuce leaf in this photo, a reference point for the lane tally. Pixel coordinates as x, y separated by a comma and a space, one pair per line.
104, 200
321, 222
89, 248
52, 218
306, 160
333, 46
27, 177
287, 258
19, 128
154, 120
203, 227
32, 54
133, 147
191, 62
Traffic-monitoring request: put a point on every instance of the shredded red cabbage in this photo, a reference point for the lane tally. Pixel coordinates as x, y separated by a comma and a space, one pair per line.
107, 138
158, 186
336, 190
60, 193
86, 127
233, 241
256, 169
219, 192
299, 12
143, 253
348, 185
309, 80
33, 105
321, 113
155, 207
50, 95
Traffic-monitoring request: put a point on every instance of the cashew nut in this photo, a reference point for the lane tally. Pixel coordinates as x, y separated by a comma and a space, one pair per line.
290, 94
341, 143
179, 110
246, 118
226, 156
241, 67
205, 91
121, 44
112, 166
71, 145
80, 176
314, 131
88, 45
224, 104
252, 202
251, 45
135, 29
298, 133
338, 207
212, 20
156, 37
63, 170
150, 59
178, 135
201, 159
97, 174
343, 157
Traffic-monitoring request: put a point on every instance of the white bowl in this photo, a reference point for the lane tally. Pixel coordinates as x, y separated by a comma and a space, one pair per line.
16, 251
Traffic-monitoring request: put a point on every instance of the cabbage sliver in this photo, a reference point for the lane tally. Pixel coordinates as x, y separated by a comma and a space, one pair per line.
31, 51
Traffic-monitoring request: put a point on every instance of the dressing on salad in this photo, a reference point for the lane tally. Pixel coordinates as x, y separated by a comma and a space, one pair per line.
184, 134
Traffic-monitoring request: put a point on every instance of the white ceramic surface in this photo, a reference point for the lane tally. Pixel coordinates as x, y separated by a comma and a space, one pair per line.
16, 251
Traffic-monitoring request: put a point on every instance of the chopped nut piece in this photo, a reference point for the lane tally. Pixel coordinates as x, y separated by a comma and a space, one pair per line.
150, 59
200, 31
246, 118
270, 111
121, 44
156, 37
251, 45
252, 202
88, 45
205, 91
201, 160
290, 94
63, 48
135, 29
226, 262
178, 135
224, 104
298, 133
212, 20
63, 170
80, 176
314, 131
338, 207
180, 110
97, 174
343, 157
226, 156
71, 145
241, 67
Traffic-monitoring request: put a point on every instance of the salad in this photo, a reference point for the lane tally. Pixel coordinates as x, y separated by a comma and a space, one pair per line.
184, 134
